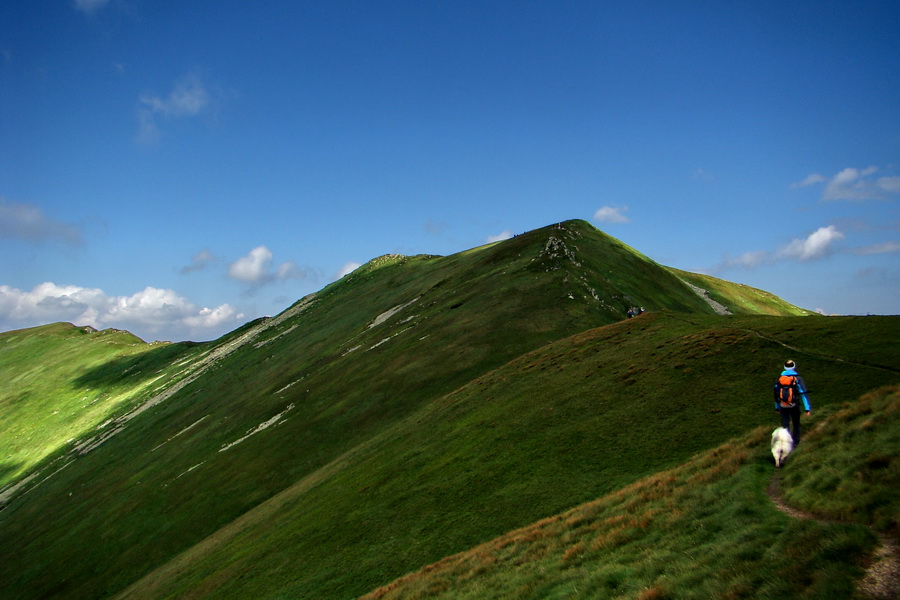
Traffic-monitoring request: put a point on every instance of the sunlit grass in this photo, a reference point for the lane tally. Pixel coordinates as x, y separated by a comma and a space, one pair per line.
61, 382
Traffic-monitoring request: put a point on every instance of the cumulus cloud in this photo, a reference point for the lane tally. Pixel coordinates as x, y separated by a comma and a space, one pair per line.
854, 184
253, 268
150, 311
188, 98
503, 235
29, 223
256, 268
208, 318
816, 245
612, 214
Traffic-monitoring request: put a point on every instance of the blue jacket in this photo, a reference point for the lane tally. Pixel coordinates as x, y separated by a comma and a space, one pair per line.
802, 386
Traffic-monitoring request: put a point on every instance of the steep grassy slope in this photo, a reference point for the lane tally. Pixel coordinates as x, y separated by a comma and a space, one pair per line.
704, 529
740, 299
395, 417
42, 405
551, 429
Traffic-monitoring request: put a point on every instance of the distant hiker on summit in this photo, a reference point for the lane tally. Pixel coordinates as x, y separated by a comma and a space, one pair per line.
790, 389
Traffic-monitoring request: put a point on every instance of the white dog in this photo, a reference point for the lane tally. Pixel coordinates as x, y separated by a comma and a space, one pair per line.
782, 444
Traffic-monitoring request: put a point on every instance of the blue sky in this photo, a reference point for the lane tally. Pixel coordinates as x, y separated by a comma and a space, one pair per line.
179, 168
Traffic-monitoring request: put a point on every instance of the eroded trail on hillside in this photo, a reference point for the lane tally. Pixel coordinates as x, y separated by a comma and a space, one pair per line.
882, 579
720, 309
819, 355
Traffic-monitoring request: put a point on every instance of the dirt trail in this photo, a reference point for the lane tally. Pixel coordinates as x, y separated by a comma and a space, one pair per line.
882, 579
818, 355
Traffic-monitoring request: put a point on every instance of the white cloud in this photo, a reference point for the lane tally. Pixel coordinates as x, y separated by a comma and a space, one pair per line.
854, 184
253, 268
347, 269
816, 245
188, 98
49, 302
849, 184
210, 318
89, 6
612, 214
151, 310
256, 268
503, 235
29, 223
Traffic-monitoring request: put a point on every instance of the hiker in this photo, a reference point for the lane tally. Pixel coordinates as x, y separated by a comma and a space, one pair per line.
790, 389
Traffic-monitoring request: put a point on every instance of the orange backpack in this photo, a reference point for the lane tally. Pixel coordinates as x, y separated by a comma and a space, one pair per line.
787, 391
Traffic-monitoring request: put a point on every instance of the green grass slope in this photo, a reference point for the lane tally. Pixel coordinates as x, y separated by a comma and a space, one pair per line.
571, 421
397, 416
42, 403
740, 299
704, 529
851, 471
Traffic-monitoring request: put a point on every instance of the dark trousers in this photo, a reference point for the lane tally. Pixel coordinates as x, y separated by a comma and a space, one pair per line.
789, 415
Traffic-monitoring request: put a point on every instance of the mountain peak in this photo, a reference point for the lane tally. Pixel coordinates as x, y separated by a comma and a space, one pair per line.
410, 394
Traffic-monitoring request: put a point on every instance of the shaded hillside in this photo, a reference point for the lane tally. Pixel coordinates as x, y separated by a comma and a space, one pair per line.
413, 409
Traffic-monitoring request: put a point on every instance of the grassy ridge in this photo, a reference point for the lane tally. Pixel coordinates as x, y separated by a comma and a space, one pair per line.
54, 389
347, 363
541, 434
416, 408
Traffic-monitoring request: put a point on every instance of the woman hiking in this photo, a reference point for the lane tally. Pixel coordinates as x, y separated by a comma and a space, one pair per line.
790, 389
